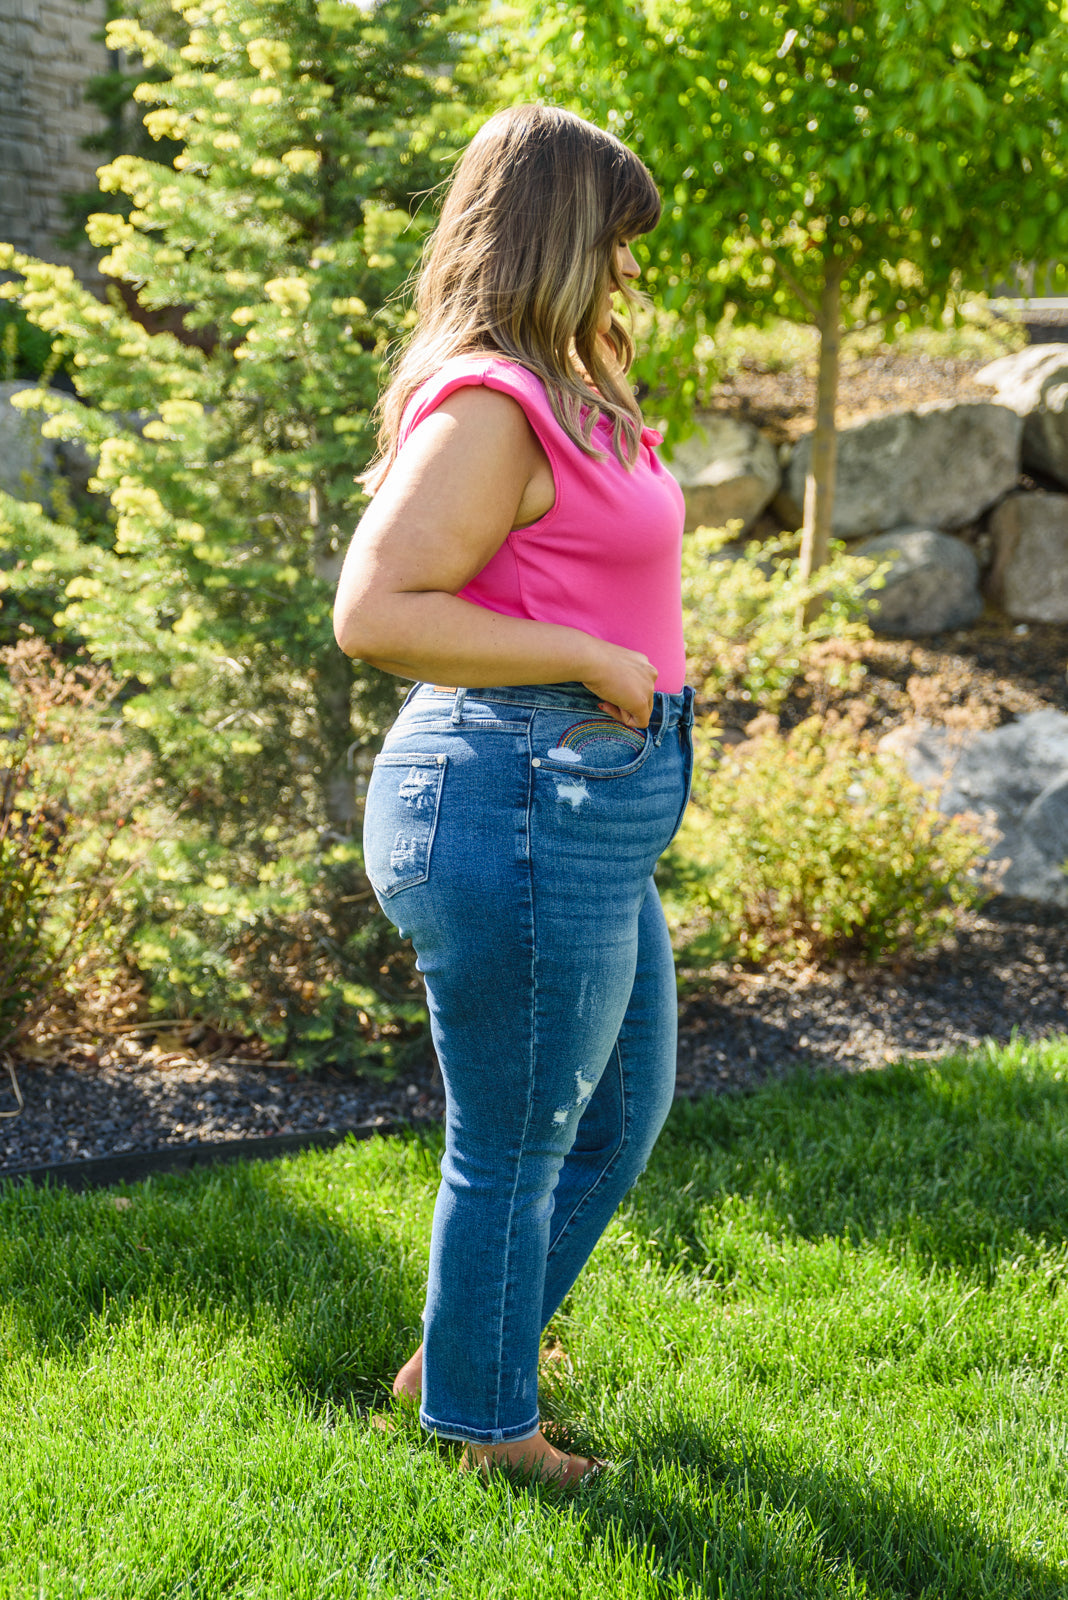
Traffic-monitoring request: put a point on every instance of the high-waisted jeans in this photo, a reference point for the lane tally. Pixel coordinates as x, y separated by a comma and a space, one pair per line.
511, 834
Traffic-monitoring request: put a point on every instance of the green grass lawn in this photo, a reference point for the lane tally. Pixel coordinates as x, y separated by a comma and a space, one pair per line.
824, 1347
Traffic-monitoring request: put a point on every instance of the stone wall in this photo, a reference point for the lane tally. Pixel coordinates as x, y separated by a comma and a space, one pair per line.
967, 499
47, 53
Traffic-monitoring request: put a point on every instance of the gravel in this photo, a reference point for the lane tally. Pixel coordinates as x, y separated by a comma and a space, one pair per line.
1004, 971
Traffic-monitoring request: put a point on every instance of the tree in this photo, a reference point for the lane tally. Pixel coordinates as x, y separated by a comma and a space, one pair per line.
284, 230
839, 162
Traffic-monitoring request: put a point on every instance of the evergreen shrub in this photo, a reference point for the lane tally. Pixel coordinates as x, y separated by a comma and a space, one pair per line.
226, 386
812, 846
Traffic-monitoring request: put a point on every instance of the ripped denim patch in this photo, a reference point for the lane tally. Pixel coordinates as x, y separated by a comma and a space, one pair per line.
406, 792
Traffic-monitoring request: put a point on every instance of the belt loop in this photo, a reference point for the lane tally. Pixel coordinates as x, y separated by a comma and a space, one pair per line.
458, 708
686, 719
660, 704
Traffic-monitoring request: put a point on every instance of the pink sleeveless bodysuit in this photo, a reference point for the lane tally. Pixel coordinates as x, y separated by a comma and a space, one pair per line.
606, 558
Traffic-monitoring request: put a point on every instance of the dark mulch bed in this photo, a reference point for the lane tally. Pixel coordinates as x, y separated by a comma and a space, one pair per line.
979, 678
782, 404
126, 1103
1005, 970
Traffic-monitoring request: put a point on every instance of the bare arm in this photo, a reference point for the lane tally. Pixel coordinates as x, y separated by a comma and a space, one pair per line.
468, 474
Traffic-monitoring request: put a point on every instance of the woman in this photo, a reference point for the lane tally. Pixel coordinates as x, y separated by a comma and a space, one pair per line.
520, 560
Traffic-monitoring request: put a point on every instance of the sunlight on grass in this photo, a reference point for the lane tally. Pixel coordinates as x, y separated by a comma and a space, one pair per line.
823, 1346
781, 346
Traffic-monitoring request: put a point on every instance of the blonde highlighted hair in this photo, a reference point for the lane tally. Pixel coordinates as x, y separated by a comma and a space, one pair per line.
520, 264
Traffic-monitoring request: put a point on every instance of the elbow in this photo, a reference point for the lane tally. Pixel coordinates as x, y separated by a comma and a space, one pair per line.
358, 631
350, 635
344, 634
344, 643
354, 610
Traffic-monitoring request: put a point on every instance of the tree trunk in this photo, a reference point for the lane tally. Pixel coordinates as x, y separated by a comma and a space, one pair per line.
819, 485
333, 697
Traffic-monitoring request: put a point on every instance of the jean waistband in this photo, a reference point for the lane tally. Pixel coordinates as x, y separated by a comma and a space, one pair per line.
669, 710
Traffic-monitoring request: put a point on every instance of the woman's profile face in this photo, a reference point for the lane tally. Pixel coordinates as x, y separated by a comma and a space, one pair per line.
624, 267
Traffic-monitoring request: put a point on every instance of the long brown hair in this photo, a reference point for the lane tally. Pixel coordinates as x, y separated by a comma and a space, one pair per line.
520, 263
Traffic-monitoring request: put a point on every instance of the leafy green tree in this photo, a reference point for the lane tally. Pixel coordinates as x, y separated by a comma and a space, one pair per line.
285, 228
839, 162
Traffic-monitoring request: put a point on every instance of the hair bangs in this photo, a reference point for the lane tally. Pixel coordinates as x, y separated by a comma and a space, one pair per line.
634, 204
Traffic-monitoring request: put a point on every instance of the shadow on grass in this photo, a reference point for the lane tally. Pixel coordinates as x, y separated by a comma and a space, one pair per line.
963, 1160
960, 1160
742, 1525
240, 1246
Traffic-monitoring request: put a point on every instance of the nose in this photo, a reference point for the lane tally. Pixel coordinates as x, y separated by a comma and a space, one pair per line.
628, 266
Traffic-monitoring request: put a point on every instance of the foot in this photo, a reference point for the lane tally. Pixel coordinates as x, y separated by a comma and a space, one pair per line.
408, 1384
530, 1458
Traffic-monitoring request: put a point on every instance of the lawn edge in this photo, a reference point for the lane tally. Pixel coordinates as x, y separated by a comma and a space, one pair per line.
99, 1172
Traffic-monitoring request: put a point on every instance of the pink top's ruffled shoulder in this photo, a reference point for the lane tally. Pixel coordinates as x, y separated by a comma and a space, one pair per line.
606, 558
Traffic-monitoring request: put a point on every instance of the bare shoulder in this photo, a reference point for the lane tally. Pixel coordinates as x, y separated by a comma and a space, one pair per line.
478, 410
477, 448
472, 428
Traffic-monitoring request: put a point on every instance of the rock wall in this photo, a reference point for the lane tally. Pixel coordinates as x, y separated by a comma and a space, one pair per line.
47, 52
1016, 777
966, 499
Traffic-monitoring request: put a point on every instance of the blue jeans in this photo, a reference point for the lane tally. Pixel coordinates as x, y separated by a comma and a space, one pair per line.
511, 834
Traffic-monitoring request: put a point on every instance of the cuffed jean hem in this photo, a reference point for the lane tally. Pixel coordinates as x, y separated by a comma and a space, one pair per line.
447, 1430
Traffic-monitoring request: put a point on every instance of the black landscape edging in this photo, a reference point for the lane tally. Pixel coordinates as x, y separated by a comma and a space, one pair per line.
132, 1166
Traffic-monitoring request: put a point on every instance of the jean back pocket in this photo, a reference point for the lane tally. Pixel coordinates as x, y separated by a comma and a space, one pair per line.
400, 819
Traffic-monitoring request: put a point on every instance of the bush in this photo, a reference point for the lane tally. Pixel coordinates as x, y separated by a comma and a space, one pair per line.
226, 386
812, 847
74, 828
743, 612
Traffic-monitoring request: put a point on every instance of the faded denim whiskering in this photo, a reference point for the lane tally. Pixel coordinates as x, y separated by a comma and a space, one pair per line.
511, 834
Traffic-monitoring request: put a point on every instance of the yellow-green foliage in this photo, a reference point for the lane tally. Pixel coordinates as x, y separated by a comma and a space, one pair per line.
813, 846
968, 330
742, 615
269, 220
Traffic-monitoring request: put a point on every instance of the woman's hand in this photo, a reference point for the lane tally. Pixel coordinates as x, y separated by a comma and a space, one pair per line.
624, 682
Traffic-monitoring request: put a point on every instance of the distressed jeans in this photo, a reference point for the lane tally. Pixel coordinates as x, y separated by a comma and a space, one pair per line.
511, 834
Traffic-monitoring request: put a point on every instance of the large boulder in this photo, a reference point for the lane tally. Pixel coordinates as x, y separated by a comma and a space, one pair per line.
1017, 775
727, 470
940, 465
932, 585
27, 460
1034, 382
1029, 579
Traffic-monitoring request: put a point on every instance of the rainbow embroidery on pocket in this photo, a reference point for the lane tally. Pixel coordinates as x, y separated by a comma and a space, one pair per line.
595, 730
